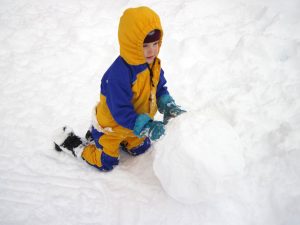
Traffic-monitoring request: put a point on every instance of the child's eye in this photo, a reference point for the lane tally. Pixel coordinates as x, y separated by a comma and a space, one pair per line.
155, 43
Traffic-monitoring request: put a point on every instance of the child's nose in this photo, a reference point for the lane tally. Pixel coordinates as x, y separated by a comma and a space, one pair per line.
151, 50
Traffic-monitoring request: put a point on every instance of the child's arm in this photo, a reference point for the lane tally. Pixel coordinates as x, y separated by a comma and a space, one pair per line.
119, 102
161, 87
117, 89
165, 103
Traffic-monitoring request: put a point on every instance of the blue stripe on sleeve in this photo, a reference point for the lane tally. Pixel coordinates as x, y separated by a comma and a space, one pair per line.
161, 87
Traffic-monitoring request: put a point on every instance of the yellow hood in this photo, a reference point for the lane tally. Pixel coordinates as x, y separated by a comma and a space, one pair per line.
134, 26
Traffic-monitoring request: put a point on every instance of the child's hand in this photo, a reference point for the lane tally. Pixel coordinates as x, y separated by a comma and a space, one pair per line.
172, 110
168, 107
154, 130
145, 126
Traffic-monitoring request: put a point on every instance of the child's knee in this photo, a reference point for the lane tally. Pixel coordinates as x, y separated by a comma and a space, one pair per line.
140, 149
99, 159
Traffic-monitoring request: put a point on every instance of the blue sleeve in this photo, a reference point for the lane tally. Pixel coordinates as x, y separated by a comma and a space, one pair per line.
116, 86
161, 87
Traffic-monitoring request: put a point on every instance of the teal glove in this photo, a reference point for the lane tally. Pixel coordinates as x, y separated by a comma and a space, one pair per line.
168, 107
145, 126
154, 130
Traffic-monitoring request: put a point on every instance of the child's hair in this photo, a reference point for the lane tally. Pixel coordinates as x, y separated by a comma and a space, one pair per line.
152, 36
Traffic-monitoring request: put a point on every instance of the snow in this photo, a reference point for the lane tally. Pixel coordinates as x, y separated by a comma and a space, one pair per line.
234, 62
206, 154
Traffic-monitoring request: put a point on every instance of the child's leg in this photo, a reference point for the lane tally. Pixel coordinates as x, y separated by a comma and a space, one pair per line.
136, 146
105, 153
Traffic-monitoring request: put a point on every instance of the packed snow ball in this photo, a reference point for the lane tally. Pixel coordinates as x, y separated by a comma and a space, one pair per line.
198, 157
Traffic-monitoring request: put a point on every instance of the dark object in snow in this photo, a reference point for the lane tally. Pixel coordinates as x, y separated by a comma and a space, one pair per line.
88, 136
71, 143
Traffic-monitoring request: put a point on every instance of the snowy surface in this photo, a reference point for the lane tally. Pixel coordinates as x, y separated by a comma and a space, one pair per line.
234, 61
206, 154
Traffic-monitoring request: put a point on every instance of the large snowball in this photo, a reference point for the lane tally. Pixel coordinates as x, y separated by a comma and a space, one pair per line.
198, 155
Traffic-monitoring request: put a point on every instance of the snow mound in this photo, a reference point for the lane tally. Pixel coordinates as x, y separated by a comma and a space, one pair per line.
197, 157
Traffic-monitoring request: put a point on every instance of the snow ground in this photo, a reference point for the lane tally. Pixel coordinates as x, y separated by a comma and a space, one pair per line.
236, 60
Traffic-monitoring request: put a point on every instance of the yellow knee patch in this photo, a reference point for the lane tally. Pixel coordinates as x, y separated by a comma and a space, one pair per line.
92, 155
132, 142
110, 144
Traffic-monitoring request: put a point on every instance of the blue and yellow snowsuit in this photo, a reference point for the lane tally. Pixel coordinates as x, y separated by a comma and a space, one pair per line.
127, 90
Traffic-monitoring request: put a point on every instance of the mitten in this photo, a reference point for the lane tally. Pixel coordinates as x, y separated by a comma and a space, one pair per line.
168, 107
145, 126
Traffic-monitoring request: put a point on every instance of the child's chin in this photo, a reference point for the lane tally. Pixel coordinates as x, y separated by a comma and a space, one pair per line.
149, 61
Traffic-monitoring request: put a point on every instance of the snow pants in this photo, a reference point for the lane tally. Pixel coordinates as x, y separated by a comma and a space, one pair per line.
103, 153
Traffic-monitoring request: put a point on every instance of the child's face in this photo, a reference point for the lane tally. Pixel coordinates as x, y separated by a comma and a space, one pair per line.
150, 51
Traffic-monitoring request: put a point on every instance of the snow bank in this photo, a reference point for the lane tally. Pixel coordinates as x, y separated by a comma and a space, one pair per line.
201, 161
195, 158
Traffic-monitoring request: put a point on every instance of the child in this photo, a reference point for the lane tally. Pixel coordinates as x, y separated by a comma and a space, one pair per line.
132, 90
